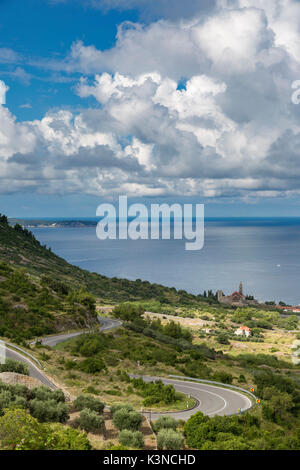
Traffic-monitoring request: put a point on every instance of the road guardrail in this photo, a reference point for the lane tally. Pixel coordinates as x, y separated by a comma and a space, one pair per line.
229, 386
24, 352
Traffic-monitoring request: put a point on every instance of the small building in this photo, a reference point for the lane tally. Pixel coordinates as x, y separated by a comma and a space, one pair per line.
243, 331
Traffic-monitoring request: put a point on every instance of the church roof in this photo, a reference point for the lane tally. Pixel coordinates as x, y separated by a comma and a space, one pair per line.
237, 293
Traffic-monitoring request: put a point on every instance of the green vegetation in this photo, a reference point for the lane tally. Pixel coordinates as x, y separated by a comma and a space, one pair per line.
89, 402
11, 365
133, 346
165, 422
125, 419
133, 439
31, 307
129, 311
280, 395
20, 431
120, 406
222, 338
172, 329
49, 410
155, 392
252, 360
43, 404
132, 313
254, 318
40, 294
90, 421
275, 427
222, 433
168, 439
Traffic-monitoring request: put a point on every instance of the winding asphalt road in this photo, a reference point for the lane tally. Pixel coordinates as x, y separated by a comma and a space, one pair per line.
106, 324
34, 371
210, 400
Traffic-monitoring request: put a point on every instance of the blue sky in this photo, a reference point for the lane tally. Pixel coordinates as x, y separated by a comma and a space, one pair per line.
157, 100
39, 30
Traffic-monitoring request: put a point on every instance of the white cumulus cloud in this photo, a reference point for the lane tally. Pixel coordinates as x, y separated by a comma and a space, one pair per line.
196, 104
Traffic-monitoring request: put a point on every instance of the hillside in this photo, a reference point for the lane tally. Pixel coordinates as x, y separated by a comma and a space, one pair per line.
32, 306
41, 293
19, 247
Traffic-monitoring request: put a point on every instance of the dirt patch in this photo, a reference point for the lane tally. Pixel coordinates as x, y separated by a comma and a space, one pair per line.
106, 309
12, 378
240, 346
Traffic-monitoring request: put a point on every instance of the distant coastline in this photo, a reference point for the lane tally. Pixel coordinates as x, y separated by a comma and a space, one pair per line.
53, 223
60, 222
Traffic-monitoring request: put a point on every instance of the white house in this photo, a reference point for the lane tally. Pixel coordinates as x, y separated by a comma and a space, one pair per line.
243, 331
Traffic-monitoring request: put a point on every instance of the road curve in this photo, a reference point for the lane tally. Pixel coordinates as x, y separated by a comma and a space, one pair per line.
34, 371
106, 324
211, 400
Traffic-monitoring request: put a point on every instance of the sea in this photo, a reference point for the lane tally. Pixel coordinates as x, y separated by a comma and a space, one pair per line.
262, 253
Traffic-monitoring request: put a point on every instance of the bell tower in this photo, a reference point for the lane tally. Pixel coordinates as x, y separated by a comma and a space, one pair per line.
241, 288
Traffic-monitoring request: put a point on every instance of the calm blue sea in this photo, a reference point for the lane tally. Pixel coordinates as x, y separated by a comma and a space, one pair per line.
263, 253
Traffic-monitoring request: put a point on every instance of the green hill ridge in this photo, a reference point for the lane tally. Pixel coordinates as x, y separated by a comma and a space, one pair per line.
19, 248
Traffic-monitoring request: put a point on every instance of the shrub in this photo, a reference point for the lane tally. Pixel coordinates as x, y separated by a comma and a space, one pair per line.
206, 433
165, 422
49, 410
155, 392
68, 439
120, 406
14, 366
223, 377
20, 402
124, 419
128, 311
173, 329
169, 439
69, 364
91, 365
88, 402
5, 400
32, 437
196, 430
44, 393
131, 438
222, 338
90, 421
90, 347
116, 393
91, 389
19, 390
19, 430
